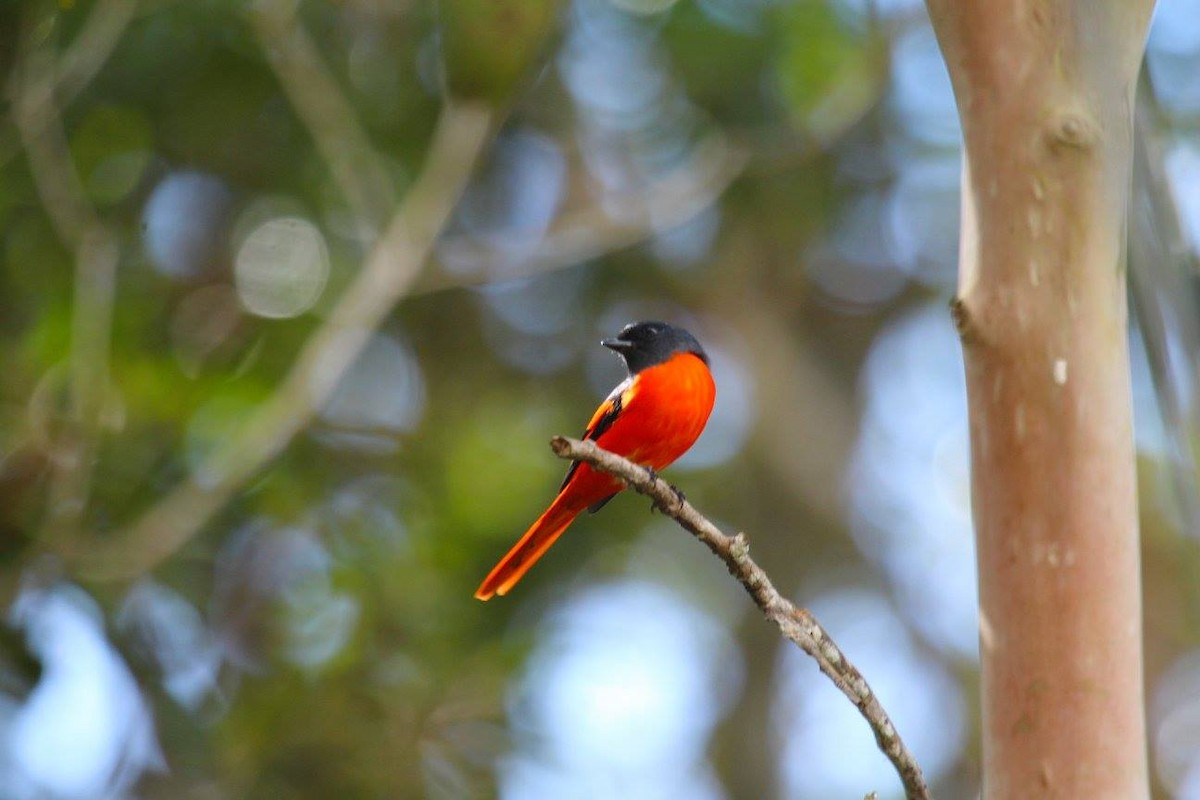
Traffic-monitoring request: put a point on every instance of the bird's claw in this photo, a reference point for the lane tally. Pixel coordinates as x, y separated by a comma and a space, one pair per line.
680, 497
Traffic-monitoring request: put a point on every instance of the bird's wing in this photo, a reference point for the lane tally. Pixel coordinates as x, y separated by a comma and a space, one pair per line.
601, 421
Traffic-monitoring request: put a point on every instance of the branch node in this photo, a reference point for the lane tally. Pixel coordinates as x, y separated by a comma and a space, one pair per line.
1073, 129
834, 657
739, 548
963, 321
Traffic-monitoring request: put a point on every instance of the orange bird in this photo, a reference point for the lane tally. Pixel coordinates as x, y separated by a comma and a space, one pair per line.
651, 418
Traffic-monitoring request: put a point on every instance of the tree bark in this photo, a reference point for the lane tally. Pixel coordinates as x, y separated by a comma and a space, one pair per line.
1045, 95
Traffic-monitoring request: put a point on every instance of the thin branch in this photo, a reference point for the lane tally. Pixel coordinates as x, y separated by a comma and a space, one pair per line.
39, 125
795, 623
96, 248
328, 115
389, 271
92, 46
1160, 266
80, 61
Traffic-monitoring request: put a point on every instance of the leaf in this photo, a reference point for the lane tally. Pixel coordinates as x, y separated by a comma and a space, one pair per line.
830, 74
112, 148
489, 46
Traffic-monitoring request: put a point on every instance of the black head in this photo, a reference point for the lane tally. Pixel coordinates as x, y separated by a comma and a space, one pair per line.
644, 344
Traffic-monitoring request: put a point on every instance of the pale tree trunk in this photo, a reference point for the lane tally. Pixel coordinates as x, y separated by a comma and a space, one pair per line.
1045, 95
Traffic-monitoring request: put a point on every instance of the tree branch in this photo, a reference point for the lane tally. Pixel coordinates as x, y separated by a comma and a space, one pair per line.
88, 51
329, 116
92, 46
1160, 267
795, 623
96, 248
1045, 93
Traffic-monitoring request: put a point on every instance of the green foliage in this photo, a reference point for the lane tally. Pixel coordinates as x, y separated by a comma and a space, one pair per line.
830, 75
111, 148
492, 47
526, 474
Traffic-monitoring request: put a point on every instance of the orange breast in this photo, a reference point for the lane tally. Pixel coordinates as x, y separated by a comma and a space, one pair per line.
663, 413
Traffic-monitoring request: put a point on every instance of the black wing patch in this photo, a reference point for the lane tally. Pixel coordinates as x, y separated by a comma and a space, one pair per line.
604, 423
599, 504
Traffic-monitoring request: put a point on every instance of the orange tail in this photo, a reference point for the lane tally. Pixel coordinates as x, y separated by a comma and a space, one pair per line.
530, 547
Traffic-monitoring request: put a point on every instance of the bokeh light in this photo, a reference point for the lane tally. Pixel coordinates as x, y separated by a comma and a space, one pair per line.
275, 599
508, 208
281, 268
826, 748
1173, 55
381, 396
857, 266
620, 698
908, 481
1183, 171
923, 218
922, 96
636, 123
185, 223
171, 632
84, 731
1175, 726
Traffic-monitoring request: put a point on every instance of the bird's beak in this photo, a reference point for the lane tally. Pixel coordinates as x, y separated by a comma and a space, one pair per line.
619, 345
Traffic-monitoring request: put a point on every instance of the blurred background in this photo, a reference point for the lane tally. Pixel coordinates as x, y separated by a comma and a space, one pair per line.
269, 409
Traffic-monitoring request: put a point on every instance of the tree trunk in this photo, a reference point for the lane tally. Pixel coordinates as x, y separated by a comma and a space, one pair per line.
1045, 94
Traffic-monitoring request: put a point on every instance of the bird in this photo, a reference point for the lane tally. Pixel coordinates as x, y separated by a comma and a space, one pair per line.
651, 418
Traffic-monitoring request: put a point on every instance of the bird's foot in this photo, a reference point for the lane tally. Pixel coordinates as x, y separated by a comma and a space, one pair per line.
680, 497
653, 475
